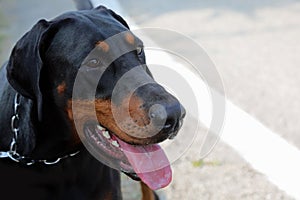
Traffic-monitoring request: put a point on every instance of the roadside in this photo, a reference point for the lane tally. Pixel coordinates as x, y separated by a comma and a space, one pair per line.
255, 46
3, 25
19, 16
246, 42
221, 175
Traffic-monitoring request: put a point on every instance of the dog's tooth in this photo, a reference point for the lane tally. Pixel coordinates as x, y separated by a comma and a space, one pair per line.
115, 143
106, 134
94, 137
100, 128
89, 132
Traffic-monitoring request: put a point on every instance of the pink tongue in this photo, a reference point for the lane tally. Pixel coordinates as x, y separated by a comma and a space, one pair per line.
150, 163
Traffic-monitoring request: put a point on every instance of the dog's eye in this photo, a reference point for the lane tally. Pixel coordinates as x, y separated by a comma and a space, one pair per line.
139, 50
93, 63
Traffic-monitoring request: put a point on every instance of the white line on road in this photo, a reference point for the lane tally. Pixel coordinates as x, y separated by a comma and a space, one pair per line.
265, 150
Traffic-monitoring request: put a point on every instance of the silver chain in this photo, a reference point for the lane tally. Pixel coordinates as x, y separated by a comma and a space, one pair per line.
12, 153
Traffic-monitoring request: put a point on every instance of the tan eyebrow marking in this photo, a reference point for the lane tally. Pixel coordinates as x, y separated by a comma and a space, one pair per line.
61, 88
103, 45
129, 38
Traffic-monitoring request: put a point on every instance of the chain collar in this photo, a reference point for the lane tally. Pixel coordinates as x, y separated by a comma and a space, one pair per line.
12, 153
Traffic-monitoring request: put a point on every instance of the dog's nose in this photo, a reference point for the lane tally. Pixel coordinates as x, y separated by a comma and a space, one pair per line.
168, 117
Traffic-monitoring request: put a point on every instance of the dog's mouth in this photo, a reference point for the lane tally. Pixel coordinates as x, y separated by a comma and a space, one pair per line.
147, 163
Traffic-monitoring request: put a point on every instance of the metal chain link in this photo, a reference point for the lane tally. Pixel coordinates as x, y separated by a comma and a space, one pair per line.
14, 127
12, 153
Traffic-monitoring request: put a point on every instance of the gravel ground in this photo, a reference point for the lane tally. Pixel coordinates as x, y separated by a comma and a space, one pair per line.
255, 46
221, 175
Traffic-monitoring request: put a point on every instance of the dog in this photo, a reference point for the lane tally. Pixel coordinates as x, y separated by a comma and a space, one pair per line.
42, 155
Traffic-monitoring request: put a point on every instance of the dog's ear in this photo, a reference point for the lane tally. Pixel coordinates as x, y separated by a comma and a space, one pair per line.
114, 15
25, 64
119, 18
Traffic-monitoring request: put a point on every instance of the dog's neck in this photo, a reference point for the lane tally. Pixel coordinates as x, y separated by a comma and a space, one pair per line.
36, 139
26, 140
24, 121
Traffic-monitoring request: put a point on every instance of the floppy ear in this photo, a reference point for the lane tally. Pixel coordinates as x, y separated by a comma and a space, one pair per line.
119, 18
25, 64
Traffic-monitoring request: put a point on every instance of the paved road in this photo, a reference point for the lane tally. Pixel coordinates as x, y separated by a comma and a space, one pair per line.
255, 45
256, 48
19, 16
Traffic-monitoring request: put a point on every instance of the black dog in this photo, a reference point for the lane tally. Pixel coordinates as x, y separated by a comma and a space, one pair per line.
37, 122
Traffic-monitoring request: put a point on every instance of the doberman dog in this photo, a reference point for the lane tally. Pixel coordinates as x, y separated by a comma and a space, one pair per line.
41, 153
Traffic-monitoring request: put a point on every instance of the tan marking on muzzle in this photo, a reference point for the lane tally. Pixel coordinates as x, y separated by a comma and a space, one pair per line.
103, 46
136, 111
104, 111
129, 38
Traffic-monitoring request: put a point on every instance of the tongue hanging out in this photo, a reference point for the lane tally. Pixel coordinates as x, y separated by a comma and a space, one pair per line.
150, 163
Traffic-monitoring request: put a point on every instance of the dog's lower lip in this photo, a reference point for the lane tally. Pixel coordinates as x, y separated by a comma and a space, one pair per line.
134, 176
102, 138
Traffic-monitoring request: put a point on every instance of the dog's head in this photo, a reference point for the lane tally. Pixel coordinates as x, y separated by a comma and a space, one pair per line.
133, 112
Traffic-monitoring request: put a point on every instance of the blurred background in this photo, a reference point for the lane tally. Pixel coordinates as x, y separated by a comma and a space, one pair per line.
256, 48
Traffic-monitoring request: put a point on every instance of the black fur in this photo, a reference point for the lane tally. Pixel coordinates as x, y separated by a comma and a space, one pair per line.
50, 54
44, 133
